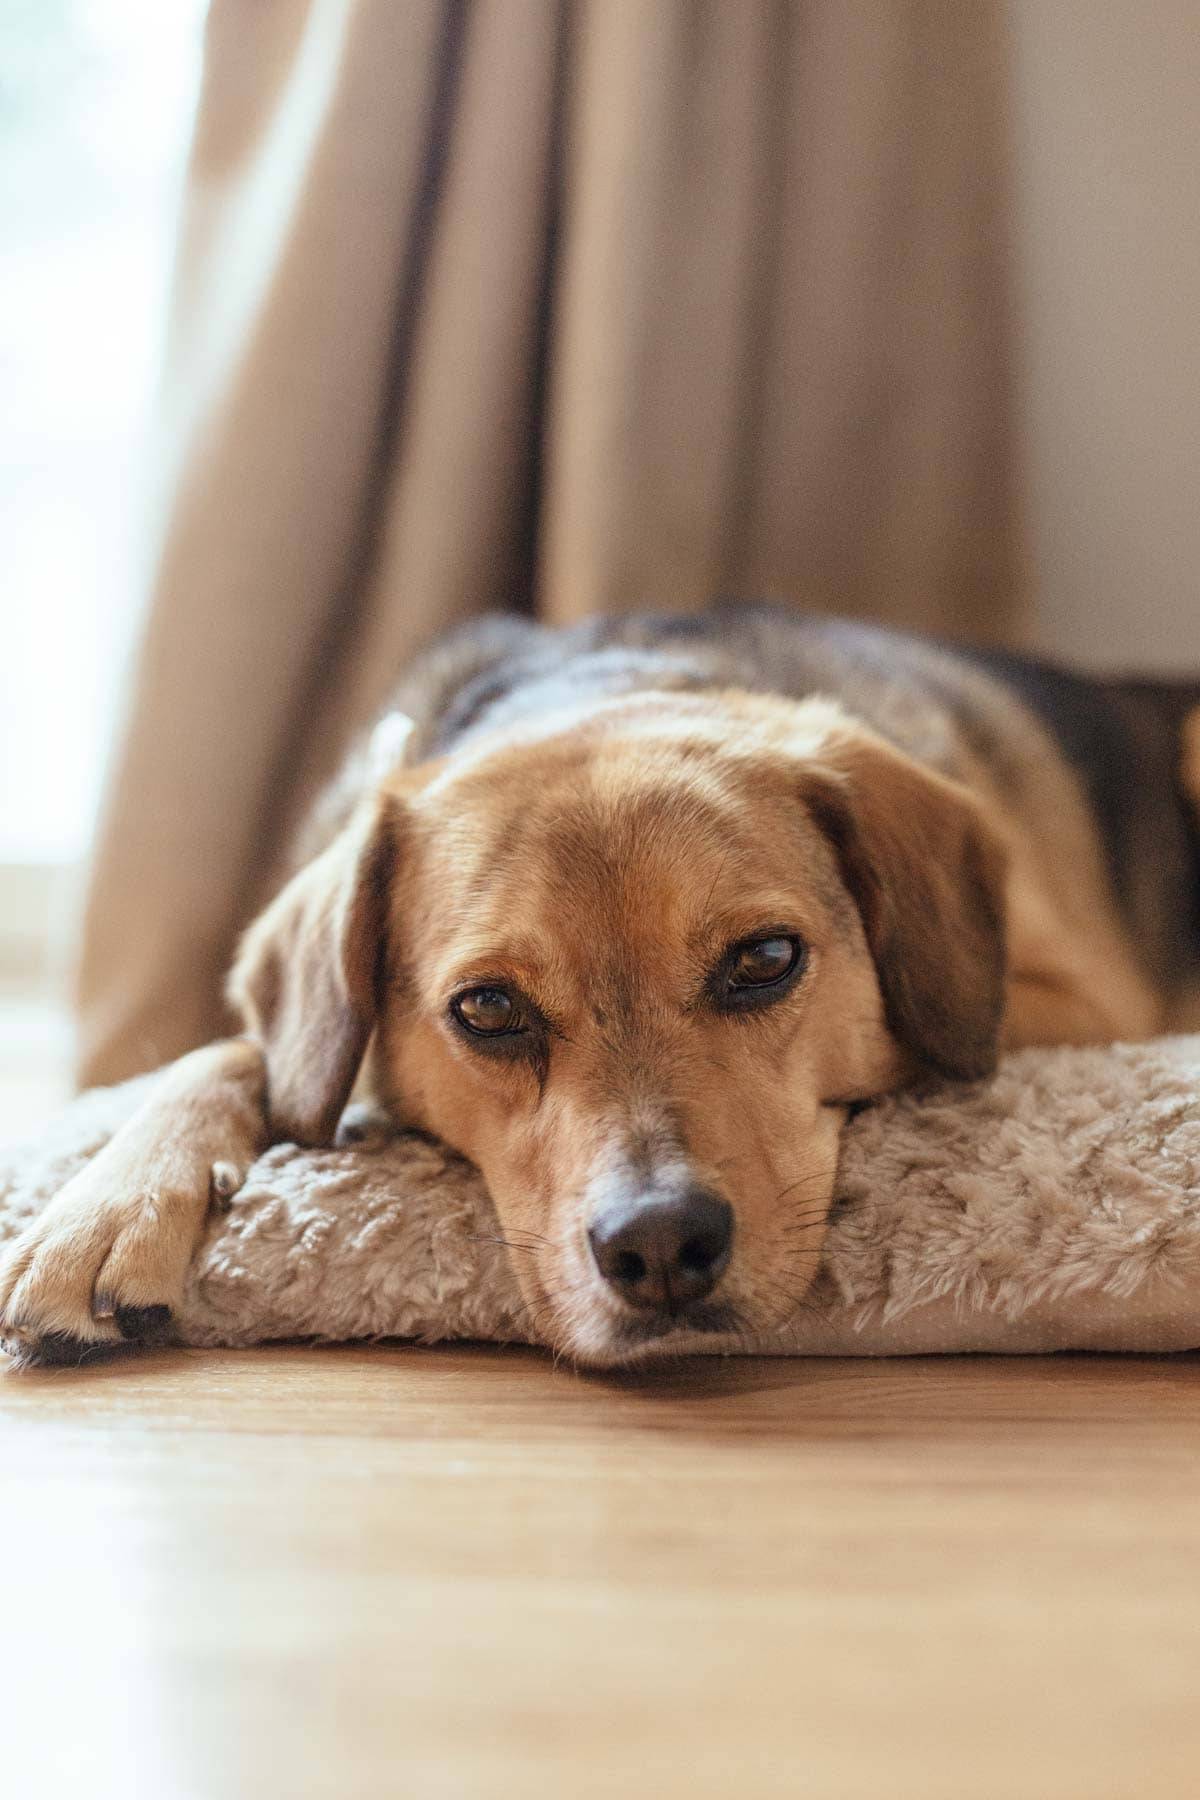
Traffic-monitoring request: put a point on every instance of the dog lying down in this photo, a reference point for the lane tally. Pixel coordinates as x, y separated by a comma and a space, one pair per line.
1053, 1207
635, 917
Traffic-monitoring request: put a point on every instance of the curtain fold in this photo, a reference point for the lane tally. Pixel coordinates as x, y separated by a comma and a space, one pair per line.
564, 304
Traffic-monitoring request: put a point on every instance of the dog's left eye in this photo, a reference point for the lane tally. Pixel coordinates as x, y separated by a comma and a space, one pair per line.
759, 970
763, 961
488, 1012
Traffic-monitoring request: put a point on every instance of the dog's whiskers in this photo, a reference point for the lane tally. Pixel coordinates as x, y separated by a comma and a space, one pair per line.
807, 1176
537, 1243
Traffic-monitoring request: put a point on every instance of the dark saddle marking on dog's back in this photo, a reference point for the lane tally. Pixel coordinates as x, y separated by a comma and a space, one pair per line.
1123, 738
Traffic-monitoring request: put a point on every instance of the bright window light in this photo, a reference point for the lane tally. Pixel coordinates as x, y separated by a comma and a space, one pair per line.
96, 106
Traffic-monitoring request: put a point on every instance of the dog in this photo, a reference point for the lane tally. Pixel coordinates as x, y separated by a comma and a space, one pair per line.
635, 916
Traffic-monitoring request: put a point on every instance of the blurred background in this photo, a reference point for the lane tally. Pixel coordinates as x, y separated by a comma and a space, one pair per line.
328, 323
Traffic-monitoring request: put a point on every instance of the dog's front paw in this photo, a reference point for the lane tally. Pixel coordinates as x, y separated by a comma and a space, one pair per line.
104, 1265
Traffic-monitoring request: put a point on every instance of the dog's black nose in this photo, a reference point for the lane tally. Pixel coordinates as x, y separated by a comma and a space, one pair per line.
664, 1252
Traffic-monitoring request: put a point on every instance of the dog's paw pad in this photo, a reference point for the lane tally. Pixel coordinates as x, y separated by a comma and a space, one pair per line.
144, 1324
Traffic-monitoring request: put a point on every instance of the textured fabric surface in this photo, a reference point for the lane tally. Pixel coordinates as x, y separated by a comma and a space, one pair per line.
575, 305
1055, 1207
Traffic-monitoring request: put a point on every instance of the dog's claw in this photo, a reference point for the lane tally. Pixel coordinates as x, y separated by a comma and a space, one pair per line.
361, 1123
224, 1182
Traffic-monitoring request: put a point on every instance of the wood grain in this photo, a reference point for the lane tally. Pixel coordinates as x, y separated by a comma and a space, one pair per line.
365, 1572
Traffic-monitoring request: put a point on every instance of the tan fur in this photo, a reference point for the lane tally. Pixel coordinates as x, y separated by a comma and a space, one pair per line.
601, 861
927, 870
1189, 765
307, 974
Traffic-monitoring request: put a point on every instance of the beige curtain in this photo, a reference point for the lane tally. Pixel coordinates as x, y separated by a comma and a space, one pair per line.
563, 304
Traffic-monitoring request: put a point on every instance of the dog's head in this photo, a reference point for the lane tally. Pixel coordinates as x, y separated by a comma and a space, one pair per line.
637, 967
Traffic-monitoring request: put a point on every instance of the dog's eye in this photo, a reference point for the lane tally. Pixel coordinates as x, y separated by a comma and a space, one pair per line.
488, 1011
763, 961
759, 970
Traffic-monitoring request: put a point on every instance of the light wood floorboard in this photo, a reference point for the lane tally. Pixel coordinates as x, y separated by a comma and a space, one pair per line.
377, 1571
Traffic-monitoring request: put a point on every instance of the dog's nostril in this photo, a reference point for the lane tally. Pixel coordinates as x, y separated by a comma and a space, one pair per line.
663, 1252
698, 1253
627, 1265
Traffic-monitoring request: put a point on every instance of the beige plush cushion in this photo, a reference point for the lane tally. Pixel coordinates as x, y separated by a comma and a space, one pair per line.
1055, 1207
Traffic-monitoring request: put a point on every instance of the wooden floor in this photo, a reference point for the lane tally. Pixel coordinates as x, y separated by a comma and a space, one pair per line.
377, 1572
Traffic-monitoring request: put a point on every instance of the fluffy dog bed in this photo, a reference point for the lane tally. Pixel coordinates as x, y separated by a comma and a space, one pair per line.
1055, 1207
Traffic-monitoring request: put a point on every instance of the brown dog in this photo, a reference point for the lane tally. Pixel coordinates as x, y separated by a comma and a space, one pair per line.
635, 919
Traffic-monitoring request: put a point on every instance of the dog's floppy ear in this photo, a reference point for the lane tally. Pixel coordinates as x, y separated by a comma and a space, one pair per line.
307, 975
927, 873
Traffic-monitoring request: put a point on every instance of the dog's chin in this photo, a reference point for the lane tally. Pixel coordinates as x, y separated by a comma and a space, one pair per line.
617, 1340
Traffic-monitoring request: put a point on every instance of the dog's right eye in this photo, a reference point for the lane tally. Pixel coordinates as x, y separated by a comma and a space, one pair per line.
488, 1012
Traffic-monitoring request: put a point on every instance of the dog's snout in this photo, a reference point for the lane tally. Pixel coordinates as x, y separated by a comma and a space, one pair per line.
664, 1252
